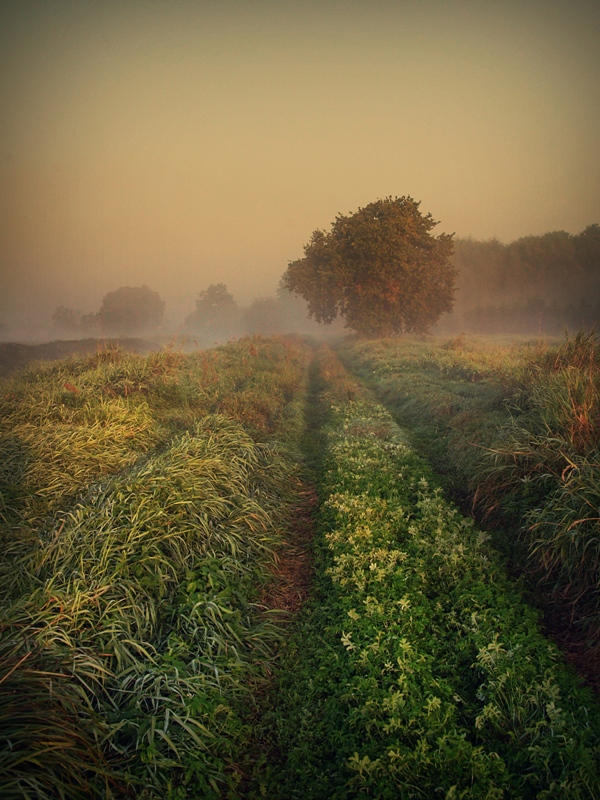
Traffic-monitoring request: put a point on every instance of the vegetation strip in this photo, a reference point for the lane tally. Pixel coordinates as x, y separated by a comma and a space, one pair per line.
70, 423
134, 640
516, 432
417, 670
136, 647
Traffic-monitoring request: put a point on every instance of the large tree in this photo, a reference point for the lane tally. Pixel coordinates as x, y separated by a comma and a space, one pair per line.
380, 269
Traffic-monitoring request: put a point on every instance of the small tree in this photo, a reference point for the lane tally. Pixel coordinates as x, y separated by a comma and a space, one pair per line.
130, 310
265, 316
379, 268
216, 314
66, 321
90, 324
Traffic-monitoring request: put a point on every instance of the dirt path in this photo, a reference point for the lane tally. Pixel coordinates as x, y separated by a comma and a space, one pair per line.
293, 569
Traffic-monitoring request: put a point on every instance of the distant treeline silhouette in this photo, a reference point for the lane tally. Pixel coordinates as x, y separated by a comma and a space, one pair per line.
217, 317
538, 283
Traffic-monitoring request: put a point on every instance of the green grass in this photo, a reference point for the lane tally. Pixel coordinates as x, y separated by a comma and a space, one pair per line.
416, 670
66, 424
451, 398
133, 639
145, 502
515, 434
146, 593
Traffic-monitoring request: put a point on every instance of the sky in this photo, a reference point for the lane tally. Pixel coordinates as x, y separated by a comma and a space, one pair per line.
179, 143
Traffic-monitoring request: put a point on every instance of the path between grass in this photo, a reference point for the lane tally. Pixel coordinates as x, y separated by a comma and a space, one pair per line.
414, 669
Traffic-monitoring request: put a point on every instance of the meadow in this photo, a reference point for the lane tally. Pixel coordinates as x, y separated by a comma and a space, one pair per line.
514, 433
155, 510
142, 506
416, 670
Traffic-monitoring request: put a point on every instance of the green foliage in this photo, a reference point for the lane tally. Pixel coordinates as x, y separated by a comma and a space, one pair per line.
517, 433
145, 502
549, 453
144, 592
450, 397
66, 424
417, 671
131, 310
379, 268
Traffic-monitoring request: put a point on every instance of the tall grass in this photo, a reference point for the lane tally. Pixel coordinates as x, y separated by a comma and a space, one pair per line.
547, 461
515, 431
71, 422
145, 591
133, 640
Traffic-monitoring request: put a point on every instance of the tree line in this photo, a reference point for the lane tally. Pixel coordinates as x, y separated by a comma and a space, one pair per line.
139, 311
128, 311
548, 283
381, 271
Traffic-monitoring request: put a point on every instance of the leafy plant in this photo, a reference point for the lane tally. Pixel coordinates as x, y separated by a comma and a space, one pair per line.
515, 434
417, 670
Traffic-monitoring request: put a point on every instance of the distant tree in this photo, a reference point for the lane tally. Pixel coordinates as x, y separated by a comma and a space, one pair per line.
216, 315
293, 311
265, 315
90, 325
131, 310
215, 300
588, 248
481, 272
547, 264
379, 268
66, 321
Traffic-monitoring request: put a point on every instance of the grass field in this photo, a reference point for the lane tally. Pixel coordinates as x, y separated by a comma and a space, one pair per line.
143, 504
514, 432
169, 630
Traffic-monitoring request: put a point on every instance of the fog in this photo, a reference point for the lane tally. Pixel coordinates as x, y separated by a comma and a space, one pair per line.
186, 144
537, 284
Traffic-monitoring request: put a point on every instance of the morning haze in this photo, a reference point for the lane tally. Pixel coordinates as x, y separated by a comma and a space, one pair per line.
183, 144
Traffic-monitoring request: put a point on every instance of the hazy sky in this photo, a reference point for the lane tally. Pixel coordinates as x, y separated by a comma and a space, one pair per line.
179, 143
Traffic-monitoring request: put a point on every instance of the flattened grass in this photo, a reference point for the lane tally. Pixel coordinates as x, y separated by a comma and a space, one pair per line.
67, 424
132, 587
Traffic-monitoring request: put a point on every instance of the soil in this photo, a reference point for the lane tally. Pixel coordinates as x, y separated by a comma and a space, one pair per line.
293, 569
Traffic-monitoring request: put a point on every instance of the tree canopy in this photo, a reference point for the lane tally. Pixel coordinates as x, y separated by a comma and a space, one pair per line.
380, 269
541, 284
131, 309
216, 314
215, 300
66, 321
